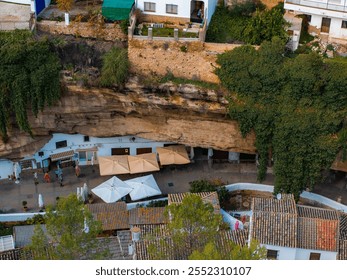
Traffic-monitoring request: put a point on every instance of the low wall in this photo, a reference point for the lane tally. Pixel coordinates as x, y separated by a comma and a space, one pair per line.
108, 31
192, 60
305, 195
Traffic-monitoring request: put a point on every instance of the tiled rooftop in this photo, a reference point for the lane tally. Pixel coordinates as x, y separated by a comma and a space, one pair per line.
167, 250
151, 215
112, 215
211, 197
23, 234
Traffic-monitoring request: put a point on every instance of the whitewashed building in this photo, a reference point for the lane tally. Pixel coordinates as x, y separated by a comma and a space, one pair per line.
178, 11
69, 148
325, 16
297, 232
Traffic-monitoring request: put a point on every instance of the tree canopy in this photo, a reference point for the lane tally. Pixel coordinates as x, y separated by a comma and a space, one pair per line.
71, 233
29, 78
295, 105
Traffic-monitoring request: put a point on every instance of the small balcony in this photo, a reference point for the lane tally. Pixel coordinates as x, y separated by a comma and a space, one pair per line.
333, 5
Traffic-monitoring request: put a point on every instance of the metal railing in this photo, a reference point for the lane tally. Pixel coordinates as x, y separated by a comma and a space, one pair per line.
327, 5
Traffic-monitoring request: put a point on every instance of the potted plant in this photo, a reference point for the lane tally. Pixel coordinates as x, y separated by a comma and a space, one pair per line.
90, 198
25, 207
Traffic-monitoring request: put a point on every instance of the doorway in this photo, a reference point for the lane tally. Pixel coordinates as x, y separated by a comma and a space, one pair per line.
325, 25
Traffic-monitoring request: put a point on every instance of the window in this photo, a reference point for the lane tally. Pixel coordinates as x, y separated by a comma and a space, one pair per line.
149, 7
271, 254
314, 256
308, 17
344, 24
120, 151
86, 139
171, 9
140, 151
61, 144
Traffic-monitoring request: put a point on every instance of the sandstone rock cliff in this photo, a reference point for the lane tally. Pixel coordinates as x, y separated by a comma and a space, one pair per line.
183, 114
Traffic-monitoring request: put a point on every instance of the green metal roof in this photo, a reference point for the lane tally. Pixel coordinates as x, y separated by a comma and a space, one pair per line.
117, 9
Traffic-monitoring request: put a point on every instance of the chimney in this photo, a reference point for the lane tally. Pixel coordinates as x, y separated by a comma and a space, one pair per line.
130, 249
135, 233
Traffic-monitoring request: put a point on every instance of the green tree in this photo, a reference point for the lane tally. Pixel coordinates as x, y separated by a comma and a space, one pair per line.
66, 229
115, 68
29, 78
230, 251
192, 224
294, 104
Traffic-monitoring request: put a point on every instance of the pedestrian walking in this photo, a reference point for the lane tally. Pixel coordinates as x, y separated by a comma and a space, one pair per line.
36, 181
77, 170
47, 178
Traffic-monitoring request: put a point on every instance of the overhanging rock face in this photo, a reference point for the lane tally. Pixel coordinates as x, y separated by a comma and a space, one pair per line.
182, 114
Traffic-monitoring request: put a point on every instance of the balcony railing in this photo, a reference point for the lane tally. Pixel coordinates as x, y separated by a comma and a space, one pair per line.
327, 5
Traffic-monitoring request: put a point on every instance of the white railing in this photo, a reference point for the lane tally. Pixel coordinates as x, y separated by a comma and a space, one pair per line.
327, 5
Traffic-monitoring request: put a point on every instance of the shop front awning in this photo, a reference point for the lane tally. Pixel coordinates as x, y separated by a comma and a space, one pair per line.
93, 149
62, 155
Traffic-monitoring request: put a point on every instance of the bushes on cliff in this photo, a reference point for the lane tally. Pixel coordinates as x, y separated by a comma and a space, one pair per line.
295, 105
115, 68
29, 78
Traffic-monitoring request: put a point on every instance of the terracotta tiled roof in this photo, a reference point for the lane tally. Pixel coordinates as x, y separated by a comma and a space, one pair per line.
149, 231
167, 250
318, 228
113, 216
211, 197
342, 255
274, 221
150, 215
343, 226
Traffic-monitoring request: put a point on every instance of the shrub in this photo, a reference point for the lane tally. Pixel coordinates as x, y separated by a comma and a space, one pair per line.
115, 67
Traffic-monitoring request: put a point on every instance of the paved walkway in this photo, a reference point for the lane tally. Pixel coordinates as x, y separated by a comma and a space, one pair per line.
169, 179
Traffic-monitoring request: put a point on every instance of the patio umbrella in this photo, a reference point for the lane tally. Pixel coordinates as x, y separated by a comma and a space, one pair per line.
143, 187
176, 154
16, 171
112, 190
113, 165
143, 163
41, 204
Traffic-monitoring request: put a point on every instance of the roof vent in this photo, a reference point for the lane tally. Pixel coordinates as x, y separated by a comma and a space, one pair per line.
135, 233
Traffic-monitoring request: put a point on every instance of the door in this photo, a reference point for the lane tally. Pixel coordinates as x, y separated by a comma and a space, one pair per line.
120, 151
325, 25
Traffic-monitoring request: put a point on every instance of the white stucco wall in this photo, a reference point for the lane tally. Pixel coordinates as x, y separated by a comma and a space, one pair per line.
6, 169
284, 253
183, 9
304, 254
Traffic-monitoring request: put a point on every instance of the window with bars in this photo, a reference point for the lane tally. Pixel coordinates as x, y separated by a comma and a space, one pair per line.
314, 256
272, 254
171, 9
149, 7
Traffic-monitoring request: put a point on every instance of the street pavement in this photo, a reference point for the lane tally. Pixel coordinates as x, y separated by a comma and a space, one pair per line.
170, 179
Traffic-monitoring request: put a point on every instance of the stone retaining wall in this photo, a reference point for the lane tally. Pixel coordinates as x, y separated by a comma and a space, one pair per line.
108, 32
191, 60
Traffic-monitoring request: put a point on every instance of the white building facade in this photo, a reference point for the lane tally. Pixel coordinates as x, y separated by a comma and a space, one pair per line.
178, 10
327, 17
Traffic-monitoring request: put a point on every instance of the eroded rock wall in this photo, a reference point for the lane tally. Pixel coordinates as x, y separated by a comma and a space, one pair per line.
182, 114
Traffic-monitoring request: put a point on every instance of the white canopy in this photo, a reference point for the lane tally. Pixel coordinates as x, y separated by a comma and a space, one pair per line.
112, 190
143, 187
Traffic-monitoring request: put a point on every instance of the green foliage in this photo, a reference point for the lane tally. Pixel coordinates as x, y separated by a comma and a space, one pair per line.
192, 220
5, 230
210, 186
157, 203
115, 68
247, 22
36, 219
233, 252
295, 106
124, 26
65, 227
29, 78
